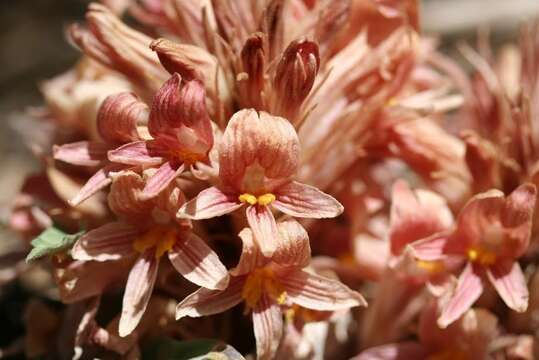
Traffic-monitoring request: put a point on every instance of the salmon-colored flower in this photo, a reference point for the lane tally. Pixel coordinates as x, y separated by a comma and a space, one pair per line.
492, 231
265, 284
181, 130
258, 158
148, 228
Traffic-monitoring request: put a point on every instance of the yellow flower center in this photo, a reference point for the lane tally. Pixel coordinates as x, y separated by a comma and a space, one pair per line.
262, 281
481, 255
251, 199
433, 267
160, 237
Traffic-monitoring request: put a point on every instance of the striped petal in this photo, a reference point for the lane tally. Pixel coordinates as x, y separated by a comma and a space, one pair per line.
119, 116
82, 153
109, 242
198, 263
304, 201
141, 153
268, 327
507, 278
265, 231
209, 203
97, 182
161, 179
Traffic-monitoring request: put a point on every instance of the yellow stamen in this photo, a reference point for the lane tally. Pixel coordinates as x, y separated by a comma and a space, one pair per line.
162, 238
432, 267
251, 199
262, 281
248, 198
483, 256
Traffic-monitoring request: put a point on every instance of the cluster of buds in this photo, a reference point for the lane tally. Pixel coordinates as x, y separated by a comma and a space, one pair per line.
290, 156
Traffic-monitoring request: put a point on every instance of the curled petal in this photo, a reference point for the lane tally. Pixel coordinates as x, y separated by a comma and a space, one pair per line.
82, 153
253, 64
318, 292
144, 153
415, 215
268, 327
507, 278
98, 181
300, 200
250, 257
138, 291
109, 242
517, 215
198, 263
257, 139
209, 203
262, 223
468, 290
294, 248
119, 116
125, 196
161, 179
205, 302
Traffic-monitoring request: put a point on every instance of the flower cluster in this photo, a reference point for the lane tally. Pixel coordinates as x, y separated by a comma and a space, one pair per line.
289, 155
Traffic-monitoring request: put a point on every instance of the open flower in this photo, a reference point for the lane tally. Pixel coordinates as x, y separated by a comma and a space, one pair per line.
492, 231
258, 157
266, 284
181, 130
148, 228
117, 122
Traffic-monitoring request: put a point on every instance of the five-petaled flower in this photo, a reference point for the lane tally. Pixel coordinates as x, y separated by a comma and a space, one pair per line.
492, 231
258, 157
148, 227
267, 284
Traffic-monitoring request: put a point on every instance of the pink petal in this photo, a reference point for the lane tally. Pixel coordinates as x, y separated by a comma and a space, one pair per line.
205, 302
399, 351
507, 278
161, 179
198, 263
250, 257
262, 223
432, 248
136, 153
415, 215
97, 182
111, 241
257, 138
125, 196
119, 116
209, 203
318, 292
469, 288
300, 200
268, 327
138, 291
82, 153
294, 248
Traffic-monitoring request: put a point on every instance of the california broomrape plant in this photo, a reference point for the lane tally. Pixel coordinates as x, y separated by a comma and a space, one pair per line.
303, 158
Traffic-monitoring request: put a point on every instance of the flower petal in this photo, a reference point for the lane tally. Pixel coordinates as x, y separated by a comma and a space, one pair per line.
469, 288
318, 292
209, 203
205, 302
119, 116
300, 200
250, 257
268, 327
399, 351
108, 242
198, 263
82, 153
125, 197
262, 223
507, 278
294, 248
95, 183
137, 153
161, 179
138, 291
432, 248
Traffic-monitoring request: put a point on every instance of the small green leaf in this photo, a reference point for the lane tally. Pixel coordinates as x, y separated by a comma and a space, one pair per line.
51, 241
170, 349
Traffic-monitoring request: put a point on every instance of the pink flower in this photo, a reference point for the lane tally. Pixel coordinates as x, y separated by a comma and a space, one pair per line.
265, 284
258, 158
148, 228
117, 123
181, 130
492, 231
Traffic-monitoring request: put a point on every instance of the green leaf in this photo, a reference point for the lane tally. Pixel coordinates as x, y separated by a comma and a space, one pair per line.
51, 241
170, 349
